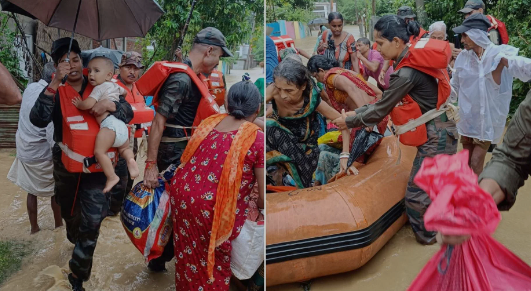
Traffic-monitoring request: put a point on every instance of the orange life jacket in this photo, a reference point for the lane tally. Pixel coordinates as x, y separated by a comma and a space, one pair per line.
151, 82
80, 129
435, 54
283, 42
143, 115
500, 26
217, 86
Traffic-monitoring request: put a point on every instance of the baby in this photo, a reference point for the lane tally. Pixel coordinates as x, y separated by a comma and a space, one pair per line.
113, 132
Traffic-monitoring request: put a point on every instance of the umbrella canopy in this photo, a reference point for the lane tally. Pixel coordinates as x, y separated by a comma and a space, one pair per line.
98, 19
114, 55
10, 7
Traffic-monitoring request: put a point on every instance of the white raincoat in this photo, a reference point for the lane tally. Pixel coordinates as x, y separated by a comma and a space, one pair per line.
483, 104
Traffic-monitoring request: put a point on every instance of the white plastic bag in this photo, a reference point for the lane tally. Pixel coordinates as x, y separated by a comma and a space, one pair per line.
248, 250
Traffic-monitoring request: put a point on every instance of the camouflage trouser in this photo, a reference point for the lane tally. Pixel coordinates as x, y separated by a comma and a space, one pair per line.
442, 139
169, 154
83, 212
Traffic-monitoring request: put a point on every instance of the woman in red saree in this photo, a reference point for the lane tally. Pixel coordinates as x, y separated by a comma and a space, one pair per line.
211, 189
347, 90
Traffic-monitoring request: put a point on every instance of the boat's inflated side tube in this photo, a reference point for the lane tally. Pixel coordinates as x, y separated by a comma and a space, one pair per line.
340, 226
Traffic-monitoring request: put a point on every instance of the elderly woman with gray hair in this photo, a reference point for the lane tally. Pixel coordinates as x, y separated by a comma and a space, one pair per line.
32, 169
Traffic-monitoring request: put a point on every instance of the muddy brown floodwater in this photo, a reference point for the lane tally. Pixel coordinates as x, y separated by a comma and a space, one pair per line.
397, 264
118, 265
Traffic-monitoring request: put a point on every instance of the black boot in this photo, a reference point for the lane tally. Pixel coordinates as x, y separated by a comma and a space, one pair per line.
77, 284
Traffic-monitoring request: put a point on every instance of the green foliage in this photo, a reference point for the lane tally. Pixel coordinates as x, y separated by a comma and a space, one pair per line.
11, 255
234, 18
8, 56
289, 11
257, 44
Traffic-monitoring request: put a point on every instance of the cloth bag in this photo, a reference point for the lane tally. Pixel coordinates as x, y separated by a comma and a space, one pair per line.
248, 250
461, 207
248, 247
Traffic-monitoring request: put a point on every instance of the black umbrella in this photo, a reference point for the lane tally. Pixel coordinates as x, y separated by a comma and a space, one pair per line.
114, 55
10, 7
364, 141
99, 20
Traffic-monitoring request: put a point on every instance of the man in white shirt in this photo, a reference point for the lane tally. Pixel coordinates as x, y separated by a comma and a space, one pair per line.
32, 169
483, 82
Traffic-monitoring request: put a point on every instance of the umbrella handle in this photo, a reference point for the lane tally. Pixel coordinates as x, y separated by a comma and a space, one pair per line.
68, 61
71, 40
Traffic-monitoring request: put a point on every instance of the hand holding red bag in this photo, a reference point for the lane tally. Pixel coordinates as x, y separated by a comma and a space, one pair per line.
461, 207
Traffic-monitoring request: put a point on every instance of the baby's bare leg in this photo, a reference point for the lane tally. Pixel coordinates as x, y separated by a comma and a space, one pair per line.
129, 156
104, 142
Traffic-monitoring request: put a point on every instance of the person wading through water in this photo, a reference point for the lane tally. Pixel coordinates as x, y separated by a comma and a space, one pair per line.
413, 91
178, 103
80, 195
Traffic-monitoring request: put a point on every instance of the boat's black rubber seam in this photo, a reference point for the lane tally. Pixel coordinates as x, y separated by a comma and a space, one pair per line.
282, 252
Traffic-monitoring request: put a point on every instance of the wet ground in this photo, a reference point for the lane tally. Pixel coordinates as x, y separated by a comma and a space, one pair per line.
118, 265
397, 264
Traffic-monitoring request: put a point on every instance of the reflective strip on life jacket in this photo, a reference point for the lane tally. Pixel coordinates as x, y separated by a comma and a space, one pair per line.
217, 87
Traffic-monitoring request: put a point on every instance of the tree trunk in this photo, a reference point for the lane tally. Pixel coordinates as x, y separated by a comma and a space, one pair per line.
421, 12
374, 7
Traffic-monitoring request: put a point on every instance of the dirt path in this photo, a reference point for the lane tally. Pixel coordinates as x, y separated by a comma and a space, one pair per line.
118, 265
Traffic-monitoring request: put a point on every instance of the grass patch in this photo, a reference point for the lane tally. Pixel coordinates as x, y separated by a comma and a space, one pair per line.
11, 255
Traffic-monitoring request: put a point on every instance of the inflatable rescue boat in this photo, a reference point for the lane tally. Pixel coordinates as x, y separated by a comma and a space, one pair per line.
340, 226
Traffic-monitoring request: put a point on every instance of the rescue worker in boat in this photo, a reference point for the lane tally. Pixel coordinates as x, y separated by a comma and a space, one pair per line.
129, 72
419, 90
9, 92
510, 165
80, 195
178, 103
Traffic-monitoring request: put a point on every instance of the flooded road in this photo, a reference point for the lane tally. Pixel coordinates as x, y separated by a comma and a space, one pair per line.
117, 266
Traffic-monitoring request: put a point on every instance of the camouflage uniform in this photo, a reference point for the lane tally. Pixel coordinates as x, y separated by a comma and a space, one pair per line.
83, 204
442, 133
442, 139
510, 164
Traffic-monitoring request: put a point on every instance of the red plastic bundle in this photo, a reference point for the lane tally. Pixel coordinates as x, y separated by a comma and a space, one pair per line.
461, 207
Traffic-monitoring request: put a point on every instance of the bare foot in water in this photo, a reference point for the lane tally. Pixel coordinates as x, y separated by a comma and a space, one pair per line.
110, 183
35, 230
133, 168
